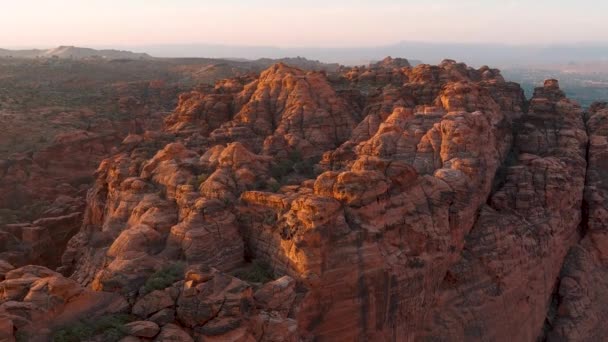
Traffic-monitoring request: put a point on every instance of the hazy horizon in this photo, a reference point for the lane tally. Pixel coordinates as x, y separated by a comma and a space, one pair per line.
313, 24
474, 54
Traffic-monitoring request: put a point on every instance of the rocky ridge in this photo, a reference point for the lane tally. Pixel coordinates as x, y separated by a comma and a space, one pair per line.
388, 202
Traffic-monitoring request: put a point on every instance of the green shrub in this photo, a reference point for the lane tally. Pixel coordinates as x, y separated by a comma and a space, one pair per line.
111, 327
165, 277
227, 201
200, 179
293, 163
259, 185
8, 216
305, 167
281, 169
274, 187
22, 336
270, 219
256, 272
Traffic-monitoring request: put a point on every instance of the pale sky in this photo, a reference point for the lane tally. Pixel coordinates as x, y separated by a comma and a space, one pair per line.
288, 23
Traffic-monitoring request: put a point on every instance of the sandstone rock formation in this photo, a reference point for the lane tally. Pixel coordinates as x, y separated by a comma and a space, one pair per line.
374, 235
581, 296
34, 299
515, 250
378, 203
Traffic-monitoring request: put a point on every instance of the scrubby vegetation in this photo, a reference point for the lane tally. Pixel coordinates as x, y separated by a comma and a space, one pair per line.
8, 216
293, 163
23, 213
108, 327
165, 277
256, 272
200, 179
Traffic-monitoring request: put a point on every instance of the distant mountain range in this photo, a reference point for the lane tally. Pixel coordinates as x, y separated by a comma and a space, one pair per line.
498, 55
74, 53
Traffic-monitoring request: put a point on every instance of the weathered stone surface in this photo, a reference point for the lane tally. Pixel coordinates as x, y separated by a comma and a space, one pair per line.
5, 267
44, 240
153, 302
583, 286
142, 329
34, 298
278, 295
374, 241
385, 202
163, 317
6, 329
172, 332
515, 250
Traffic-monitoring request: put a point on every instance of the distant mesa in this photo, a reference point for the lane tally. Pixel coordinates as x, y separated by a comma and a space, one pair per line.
390, 62
73, 52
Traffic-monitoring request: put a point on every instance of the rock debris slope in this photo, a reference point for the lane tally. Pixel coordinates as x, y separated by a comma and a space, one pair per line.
379, 203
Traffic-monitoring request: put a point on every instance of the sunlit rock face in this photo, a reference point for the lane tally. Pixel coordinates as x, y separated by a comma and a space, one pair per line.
516, 248
375, 234
379, 203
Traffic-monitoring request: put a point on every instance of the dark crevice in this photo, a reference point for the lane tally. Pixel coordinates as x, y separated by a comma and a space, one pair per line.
511, 159
582, 229
500, 178
584, 224
551, 312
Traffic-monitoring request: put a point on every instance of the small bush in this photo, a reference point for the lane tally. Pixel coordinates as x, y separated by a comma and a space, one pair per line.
200, 179
281, 169
270, 219
259, 185
256, 272
305, 167
8, 216
110, 327
293, 163
416, 263
227, 201
274, 187
165, 277
22, 336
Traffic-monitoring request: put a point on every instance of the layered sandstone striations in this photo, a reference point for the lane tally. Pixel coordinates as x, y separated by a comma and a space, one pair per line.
581, 299
374, 235
380, 203
500, 288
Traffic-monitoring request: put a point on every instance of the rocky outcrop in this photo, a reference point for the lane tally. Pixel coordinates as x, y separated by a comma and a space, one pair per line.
515, 250
47, 189
373, 237
43, 241
57, 170
203, 303
581, 298
385, 202
423, 155
34, 300
285, 109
